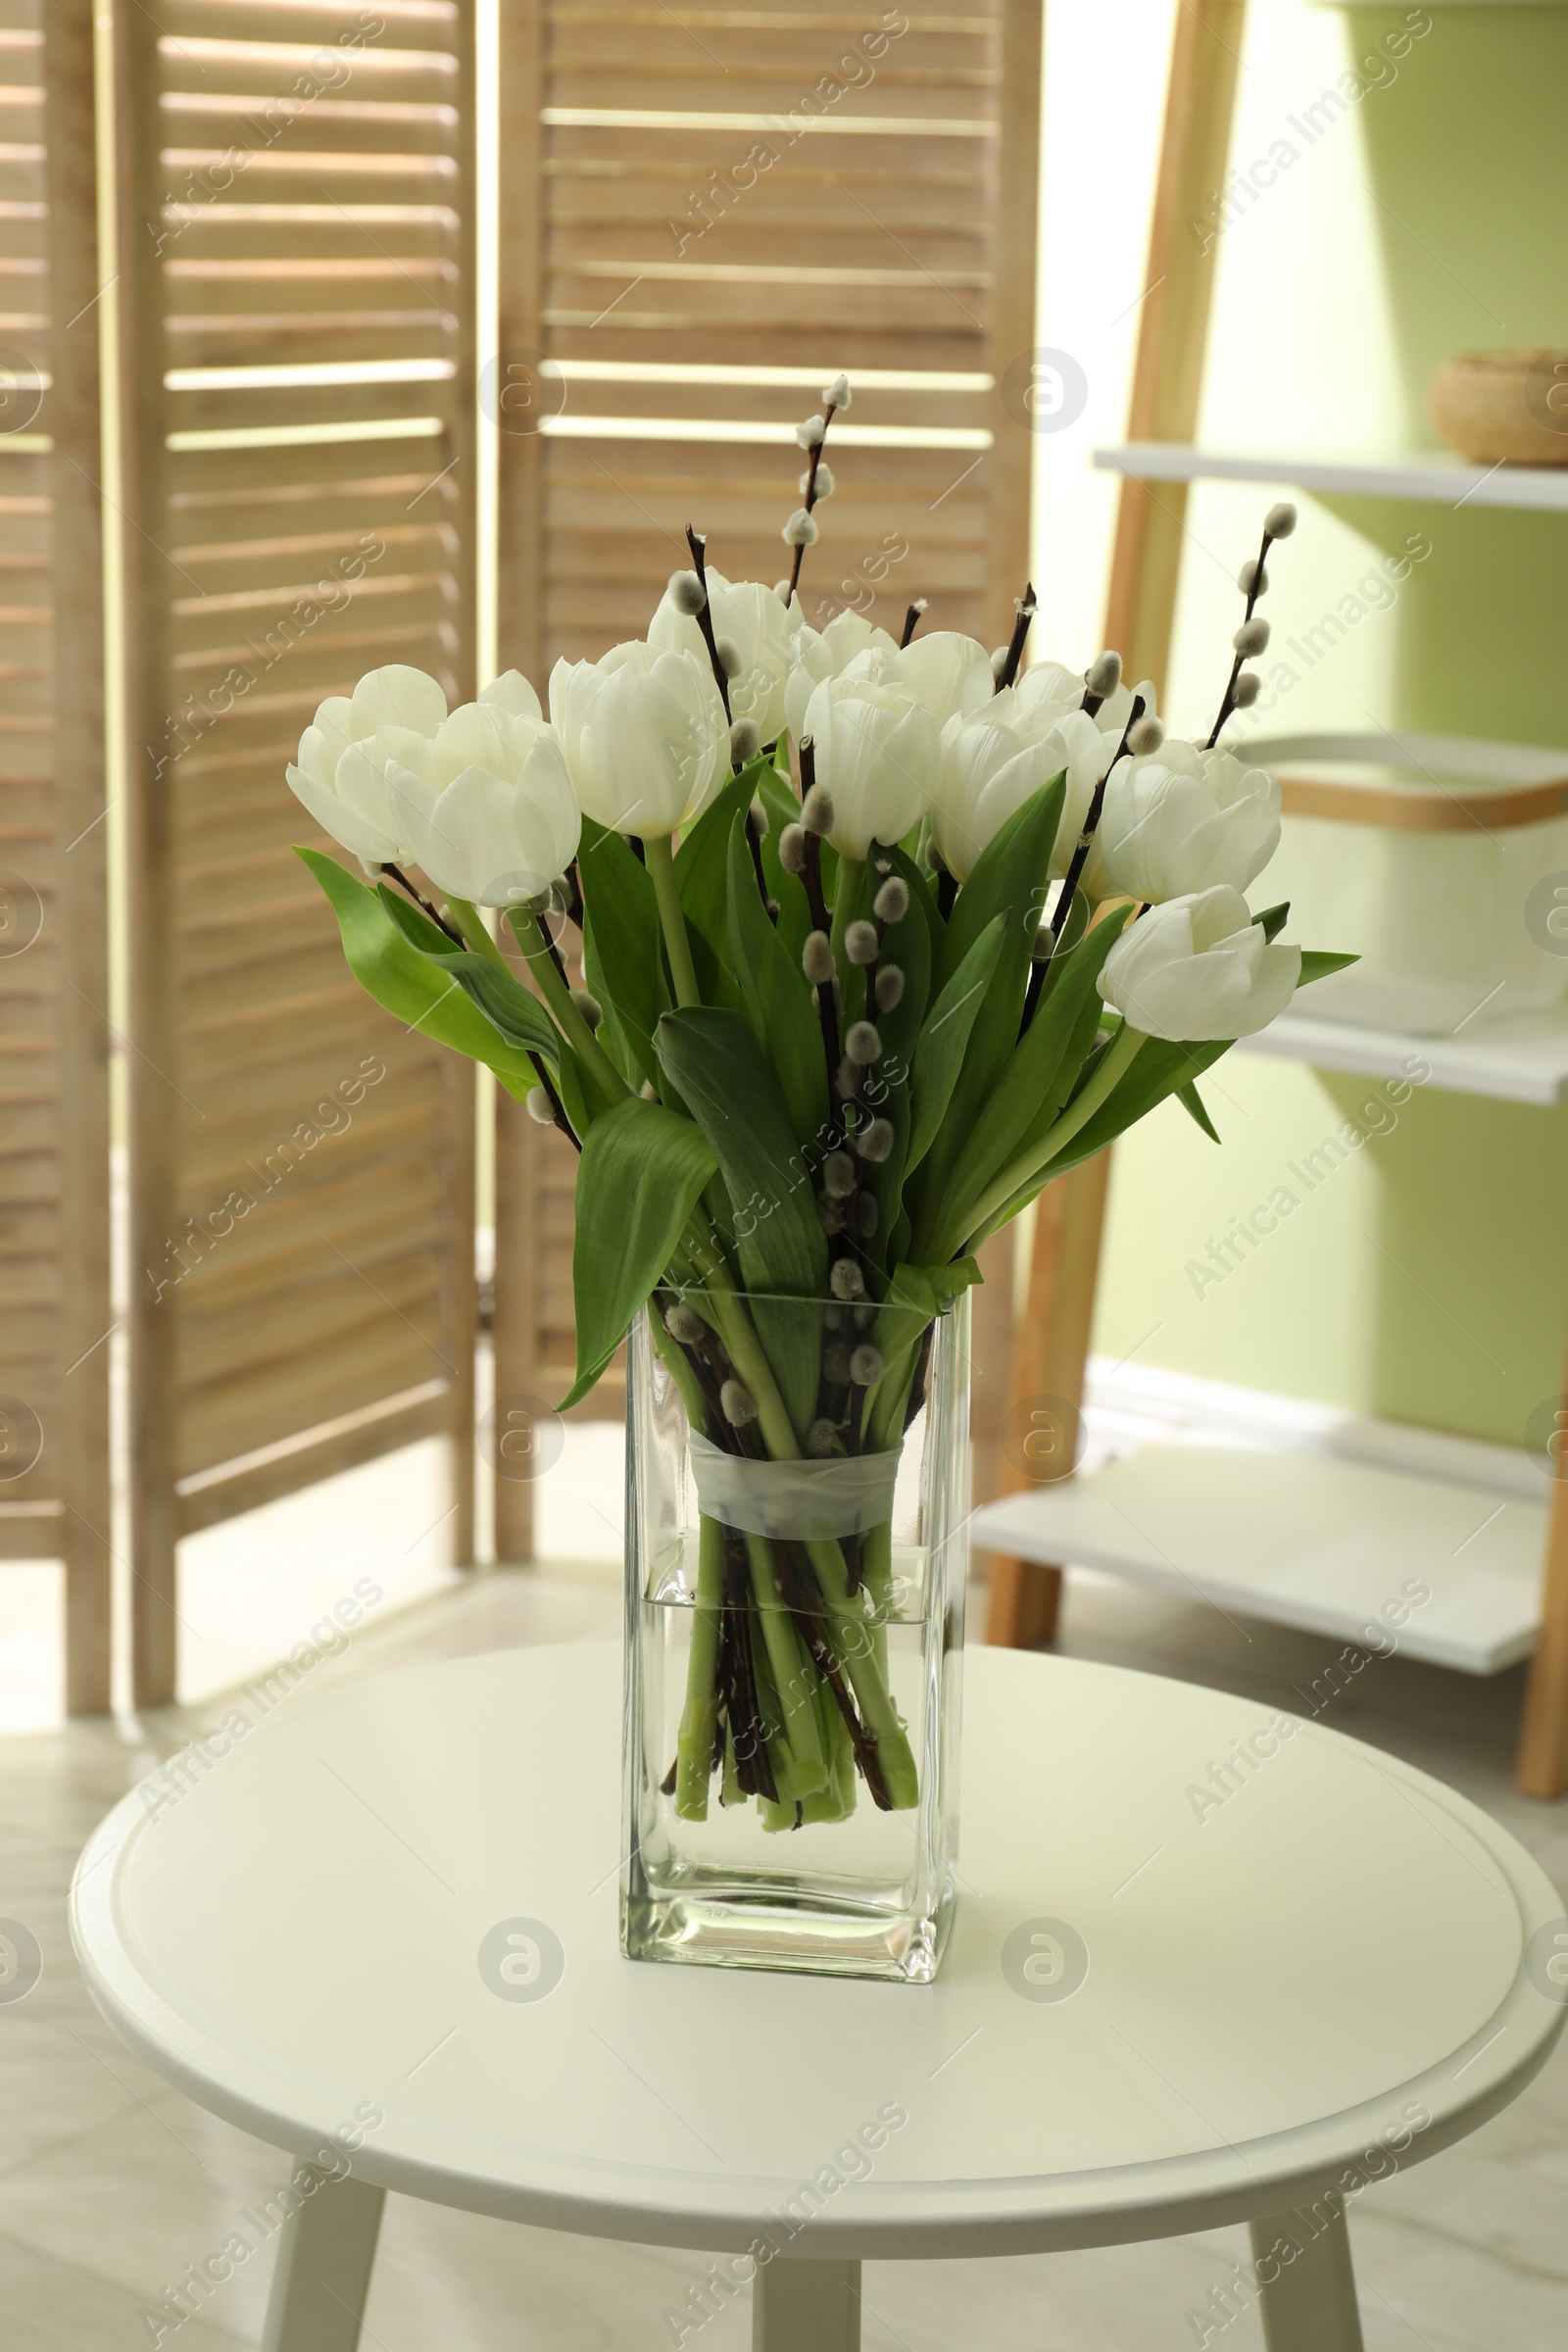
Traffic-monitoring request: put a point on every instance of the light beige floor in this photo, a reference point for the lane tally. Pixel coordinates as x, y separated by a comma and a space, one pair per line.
110, 2184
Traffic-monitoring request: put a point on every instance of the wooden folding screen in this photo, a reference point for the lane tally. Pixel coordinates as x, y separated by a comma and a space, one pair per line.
705, 215
55, 1316
295, 237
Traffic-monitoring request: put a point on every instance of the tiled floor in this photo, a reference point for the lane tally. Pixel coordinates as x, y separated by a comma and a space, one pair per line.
110, 2184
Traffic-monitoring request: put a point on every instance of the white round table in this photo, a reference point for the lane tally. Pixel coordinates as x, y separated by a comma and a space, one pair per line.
1206, 1968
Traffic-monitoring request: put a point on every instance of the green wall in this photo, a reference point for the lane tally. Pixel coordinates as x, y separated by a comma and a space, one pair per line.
1426, 1277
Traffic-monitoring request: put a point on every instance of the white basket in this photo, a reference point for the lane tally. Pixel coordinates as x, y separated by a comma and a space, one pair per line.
1432, 858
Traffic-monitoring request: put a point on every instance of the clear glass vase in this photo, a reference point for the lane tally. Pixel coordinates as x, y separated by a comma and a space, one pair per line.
793, 1634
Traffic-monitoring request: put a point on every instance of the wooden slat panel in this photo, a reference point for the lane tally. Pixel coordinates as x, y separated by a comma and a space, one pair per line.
53, 1146
298, 196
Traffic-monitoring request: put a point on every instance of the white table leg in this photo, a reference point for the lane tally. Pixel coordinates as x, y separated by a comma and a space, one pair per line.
800, 2306
1308, 2301
323, 2269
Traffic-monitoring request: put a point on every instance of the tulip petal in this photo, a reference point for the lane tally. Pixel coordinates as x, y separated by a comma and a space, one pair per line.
352, 830
513, 692
397, 696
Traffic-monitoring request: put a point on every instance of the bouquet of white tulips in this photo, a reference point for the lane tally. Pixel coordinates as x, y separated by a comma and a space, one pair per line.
877, 937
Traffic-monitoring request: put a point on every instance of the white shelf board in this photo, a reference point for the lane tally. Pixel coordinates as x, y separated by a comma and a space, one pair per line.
1307, 1539
1422, 474
1524, 1060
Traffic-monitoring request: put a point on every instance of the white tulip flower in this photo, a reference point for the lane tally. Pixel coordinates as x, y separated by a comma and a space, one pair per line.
877, 751
1198, 968
645, 735
992, 762
341, 781
1182, 820
818, 654
369, 834
480, 799
949, 673
489, 813
754, 620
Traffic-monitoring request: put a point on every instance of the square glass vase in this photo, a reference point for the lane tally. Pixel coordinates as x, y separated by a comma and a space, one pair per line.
794, 1631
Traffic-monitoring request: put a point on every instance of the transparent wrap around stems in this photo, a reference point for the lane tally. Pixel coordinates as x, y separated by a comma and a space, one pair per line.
793, 1630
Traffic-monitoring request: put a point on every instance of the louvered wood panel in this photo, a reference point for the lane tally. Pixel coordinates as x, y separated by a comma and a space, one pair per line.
55, 1316
297, 221
671, 305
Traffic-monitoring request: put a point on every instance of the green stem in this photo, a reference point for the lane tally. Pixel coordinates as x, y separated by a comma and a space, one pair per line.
569, 1014
475, 931
876, 1578
846, 904
854, 1639
736, 1330
694, 1747
661, 865
1033, 1161
792, 1672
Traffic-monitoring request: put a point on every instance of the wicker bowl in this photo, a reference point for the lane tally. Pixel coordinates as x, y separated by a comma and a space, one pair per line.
1506, 408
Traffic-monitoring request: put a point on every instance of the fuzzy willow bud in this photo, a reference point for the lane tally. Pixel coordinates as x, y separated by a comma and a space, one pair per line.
838, 1175
538, 1107
1280, 521
1251, 638
687, 593
1252, 578
860, 942
1104, 674
867, 1216
865, 1365
745, 742
809, 431
1145, 737
817, 809
835, 395
875, 1142
791, 849
737, 1404
845, 1280
825, 484
892, 902
1248, 686
889, 987
846, 1085
799, 530
864, 1043
730, 660
821, 1439
817, 958
684, 1324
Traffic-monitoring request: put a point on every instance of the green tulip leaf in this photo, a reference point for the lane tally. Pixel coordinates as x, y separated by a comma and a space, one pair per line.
943, 1039
624, 951
1318, 962
641, 1174
516, 1014
775, 994
773, 1224
400, 976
